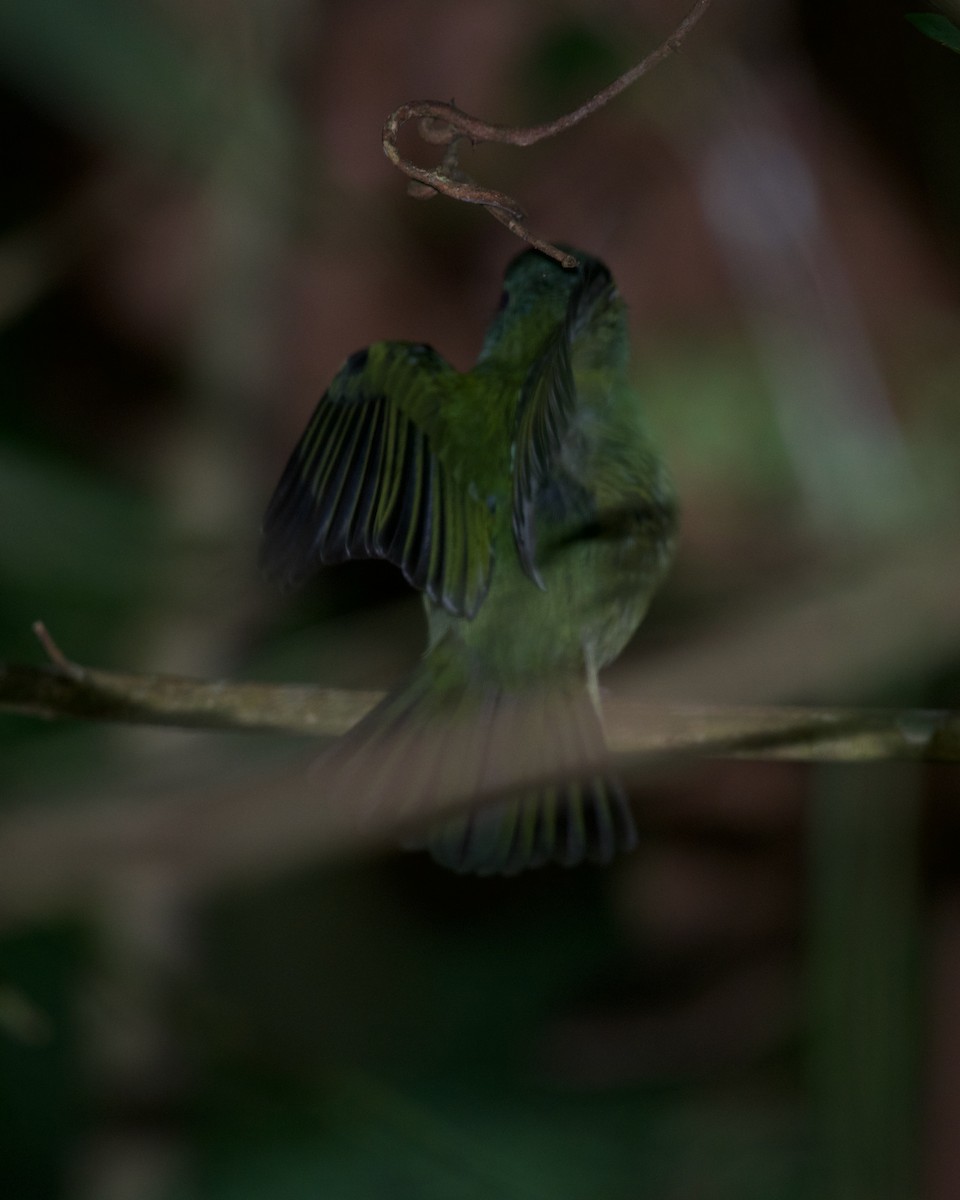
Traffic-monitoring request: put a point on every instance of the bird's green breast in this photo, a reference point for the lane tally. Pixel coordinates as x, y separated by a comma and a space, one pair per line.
605, 530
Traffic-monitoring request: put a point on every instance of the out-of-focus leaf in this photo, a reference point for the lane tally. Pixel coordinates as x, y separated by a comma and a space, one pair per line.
66, 529
40, 1071
110, 64
710, 410
393, 1041
79, 551
571, 59
126, 71
940, 29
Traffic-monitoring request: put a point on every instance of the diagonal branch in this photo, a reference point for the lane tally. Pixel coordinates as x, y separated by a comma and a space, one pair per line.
444, 124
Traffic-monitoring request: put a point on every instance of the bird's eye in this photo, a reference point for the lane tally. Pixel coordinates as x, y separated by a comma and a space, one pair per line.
504, 300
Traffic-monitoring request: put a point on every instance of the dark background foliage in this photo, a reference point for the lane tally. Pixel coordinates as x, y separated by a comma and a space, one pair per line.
197, 225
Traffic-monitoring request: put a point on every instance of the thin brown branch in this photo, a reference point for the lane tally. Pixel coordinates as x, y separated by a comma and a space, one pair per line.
88, 694
208, 834
442, 123
63, 665
57, 855
831, 635
636, 731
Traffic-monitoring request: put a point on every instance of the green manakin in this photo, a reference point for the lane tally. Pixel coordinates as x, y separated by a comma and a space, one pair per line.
525, 501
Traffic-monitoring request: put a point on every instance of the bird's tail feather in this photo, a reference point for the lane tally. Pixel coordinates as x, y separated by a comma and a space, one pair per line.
535, 759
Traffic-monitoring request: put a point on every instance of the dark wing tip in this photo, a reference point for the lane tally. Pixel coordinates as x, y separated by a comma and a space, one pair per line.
567, 824
365, 482
286, 532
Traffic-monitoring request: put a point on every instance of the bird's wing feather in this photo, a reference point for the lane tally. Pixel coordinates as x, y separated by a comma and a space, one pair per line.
548, 407
369, 479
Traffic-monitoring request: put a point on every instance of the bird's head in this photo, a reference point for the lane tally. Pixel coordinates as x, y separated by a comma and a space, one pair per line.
536, 298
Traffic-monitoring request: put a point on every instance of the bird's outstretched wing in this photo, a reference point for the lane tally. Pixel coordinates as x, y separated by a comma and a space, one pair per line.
548, 405
369, 479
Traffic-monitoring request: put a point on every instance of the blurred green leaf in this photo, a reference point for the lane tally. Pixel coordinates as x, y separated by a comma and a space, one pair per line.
40, 1070
80, 551
572, 58
95, 60
709, 406
389, 1035
73, 530
129, 71
80, 554
940, 29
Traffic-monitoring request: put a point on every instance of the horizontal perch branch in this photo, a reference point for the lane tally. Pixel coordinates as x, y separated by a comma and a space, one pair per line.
93, 695
74, 850
64, 690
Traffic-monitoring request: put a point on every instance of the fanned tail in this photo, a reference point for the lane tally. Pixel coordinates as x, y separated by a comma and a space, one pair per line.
566, 823
436, 740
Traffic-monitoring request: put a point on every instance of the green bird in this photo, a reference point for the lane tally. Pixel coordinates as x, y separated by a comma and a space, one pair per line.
525, 501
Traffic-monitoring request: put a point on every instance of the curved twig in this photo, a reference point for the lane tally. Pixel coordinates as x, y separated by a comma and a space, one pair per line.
444, 124
55, 654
